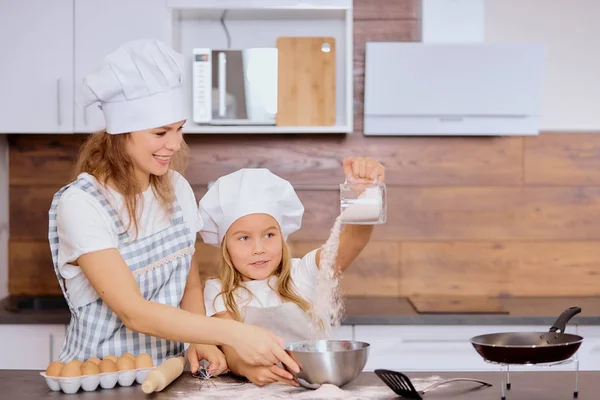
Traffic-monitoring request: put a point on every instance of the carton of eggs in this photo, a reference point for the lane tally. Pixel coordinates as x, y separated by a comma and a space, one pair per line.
106, 373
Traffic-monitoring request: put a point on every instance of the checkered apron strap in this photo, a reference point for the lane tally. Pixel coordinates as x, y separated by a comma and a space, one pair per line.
86, 184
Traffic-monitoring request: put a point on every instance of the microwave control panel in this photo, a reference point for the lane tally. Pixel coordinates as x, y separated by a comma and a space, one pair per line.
202, 85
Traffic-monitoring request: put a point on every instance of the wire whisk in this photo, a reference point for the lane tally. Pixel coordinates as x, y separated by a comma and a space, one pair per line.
203, 374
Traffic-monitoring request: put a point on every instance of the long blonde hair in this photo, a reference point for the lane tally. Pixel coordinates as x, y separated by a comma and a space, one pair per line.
105, 158
231, 279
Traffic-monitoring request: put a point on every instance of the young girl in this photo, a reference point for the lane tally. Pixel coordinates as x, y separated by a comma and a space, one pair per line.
250, 214
122, 234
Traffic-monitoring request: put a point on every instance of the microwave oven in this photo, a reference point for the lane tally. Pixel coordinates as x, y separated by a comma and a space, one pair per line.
234, 87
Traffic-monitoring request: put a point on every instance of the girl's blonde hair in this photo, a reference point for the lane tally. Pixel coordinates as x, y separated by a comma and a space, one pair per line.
105, 157
231, 280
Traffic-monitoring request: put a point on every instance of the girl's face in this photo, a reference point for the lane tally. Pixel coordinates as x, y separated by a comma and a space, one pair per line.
254, 243
151, 150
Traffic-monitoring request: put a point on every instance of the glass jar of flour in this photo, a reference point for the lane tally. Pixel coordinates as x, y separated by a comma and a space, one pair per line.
363, 202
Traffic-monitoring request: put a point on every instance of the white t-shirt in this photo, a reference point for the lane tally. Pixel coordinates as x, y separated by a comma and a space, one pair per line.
304, 275
84, 226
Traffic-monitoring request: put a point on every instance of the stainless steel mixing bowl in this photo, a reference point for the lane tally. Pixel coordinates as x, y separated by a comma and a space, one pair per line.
337, 362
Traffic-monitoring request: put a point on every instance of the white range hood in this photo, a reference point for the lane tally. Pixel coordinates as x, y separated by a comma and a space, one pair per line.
453, 88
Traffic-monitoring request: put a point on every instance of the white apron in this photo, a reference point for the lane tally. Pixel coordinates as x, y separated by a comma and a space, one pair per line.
287, 320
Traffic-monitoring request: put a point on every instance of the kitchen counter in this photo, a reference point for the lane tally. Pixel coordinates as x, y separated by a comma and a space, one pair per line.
34, 310
521, 311
546, 385
386, 311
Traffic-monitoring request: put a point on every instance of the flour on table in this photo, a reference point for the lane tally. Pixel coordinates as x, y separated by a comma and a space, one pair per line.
219, 389
283, 392
326, 391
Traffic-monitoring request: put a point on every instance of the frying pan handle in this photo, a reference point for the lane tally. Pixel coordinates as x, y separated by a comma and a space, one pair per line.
561, 323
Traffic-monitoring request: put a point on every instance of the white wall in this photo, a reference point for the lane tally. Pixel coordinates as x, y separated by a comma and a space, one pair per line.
3, 216
571, 31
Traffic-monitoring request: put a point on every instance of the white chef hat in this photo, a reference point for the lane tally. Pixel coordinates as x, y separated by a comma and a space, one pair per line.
248, 191
138, 87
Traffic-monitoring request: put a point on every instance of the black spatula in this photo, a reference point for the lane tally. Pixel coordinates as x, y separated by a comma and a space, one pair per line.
403, 387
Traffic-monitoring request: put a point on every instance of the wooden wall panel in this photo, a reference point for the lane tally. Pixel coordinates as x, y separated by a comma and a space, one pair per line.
42, 159
556, 269
501, 268
386, 9
498, 213
408, 161
563, 159
374, 273
451, 268
429, 213
301, 160
29, 206
207, 257
30, 268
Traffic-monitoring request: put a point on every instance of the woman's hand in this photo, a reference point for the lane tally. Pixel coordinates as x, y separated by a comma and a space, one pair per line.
261, 376
364, 168
216, 358
260, 347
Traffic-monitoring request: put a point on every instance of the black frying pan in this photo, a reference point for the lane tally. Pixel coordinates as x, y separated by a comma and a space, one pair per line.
530, 347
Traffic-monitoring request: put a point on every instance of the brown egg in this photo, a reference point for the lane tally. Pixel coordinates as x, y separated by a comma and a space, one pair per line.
54, 368
124, 363
90, 368
95, 360
112, 358
130, 356
71, 369
107, 365
144, 361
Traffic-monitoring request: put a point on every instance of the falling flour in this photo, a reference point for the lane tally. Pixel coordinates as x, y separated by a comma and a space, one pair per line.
328, 301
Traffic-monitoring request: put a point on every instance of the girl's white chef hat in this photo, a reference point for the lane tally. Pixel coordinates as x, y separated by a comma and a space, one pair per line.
249, 191
138, 87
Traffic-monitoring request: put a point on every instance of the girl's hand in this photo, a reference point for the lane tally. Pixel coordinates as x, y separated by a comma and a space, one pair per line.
261, 376
216, 358
363, 168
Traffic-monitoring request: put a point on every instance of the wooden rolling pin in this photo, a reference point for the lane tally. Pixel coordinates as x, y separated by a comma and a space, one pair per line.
160, 377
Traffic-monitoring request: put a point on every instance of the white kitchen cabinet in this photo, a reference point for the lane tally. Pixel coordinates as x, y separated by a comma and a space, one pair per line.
101, 26
36, 73
589, 352
437, 348
30, 346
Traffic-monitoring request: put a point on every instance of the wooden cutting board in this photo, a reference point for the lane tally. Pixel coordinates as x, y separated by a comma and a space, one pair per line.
305, 81
429, 304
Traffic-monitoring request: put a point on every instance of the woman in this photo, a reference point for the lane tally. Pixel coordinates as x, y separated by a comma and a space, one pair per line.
132, 283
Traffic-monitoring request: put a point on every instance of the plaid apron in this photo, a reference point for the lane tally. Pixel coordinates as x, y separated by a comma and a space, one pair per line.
160, 264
